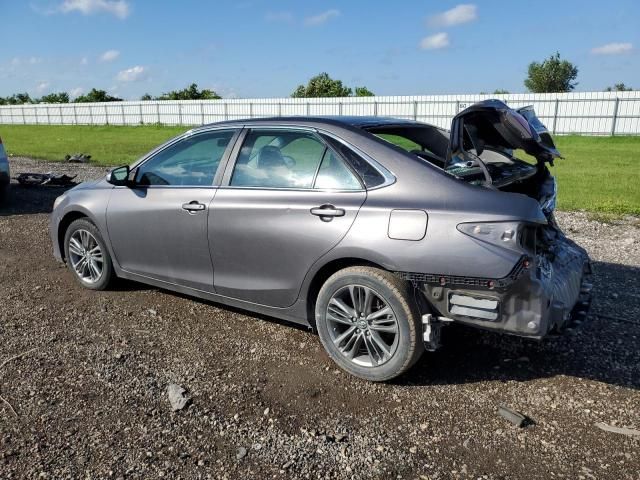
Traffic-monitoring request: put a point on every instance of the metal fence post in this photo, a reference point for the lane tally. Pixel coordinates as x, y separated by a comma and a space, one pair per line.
48, 117
91, 115
124, 121
279, 109
179, 114
375, 108
24, 120
158, 113
226, 111
201, 113
250, 109
615, 116
308, 108
555, 115
339, 108
141, 114
415, 110
75, 114
106, 114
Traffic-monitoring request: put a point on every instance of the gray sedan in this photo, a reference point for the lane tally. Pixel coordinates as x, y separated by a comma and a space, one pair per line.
376, 232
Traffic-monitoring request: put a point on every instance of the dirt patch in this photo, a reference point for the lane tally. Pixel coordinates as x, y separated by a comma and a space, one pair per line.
90, 400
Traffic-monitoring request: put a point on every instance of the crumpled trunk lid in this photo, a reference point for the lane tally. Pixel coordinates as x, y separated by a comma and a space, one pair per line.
491, 124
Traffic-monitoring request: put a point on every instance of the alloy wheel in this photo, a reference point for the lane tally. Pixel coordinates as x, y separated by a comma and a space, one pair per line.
85, 256
362, 325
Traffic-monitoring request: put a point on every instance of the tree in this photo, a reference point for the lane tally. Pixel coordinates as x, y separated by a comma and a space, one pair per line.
61, 97
17, 99
146, 96
364, 92
189, 93
619, 87
552, 75
500, 91
322, 85
96, 96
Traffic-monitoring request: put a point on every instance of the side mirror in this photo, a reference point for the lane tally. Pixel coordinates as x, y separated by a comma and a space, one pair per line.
119, 176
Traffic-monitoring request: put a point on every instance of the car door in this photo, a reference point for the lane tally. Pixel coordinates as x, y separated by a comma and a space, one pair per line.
158, 225
287, 200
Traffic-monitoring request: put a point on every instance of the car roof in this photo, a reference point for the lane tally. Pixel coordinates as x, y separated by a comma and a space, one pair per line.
330, 120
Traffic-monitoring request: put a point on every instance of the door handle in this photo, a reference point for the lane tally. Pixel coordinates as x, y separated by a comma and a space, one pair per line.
326, 212
193, 206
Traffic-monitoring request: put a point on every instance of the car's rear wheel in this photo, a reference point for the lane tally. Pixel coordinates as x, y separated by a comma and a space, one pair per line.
369, 323
87, 256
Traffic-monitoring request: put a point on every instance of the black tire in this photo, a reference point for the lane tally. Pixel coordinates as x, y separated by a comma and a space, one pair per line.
4, 193
398, 295
107, 273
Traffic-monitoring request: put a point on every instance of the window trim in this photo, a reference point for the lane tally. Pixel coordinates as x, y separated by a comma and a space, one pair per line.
235, 155
217, 178
389, 178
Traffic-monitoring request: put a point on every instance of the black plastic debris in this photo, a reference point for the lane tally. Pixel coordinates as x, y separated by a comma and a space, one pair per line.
517, 418
35, 179
77, 158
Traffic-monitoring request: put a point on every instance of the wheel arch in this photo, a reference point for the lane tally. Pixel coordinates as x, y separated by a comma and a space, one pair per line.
65, 221
323, 273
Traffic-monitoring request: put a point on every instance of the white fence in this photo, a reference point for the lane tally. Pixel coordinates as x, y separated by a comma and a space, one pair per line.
587, 113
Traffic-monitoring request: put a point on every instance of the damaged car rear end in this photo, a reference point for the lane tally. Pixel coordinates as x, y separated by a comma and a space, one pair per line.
545, 288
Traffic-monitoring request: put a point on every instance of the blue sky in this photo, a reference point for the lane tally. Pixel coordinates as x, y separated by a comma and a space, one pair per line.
263, 48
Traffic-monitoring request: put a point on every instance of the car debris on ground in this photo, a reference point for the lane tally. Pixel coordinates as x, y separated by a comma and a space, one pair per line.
178, 397
33, 179
77, 158
517, 418
631, 432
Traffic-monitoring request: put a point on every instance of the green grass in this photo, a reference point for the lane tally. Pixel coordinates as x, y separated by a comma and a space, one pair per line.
107, 145
598, 174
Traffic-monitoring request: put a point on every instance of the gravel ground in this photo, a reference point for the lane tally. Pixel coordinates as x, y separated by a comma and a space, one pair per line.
87, 397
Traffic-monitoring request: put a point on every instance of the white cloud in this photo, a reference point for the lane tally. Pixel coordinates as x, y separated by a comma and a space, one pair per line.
76, 92
133, 74
463, 13
42, 87
109, 56
119, 8
612, 49
321, 18
435, 42
15, 61
284, 17
84, 61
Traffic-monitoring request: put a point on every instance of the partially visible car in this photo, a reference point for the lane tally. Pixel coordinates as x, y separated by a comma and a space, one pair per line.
5, 177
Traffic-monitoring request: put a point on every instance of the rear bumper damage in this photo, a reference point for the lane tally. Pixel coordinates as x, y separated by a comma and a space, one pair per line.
543, 295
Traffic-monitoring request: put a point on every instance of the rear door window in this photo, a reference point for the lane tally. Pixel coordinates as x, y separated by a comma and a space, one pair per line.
278, 159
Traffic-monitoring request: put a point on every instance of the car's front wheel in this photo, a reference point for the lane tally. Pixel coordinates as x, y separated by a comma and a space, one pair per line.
368, 322
87, 256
